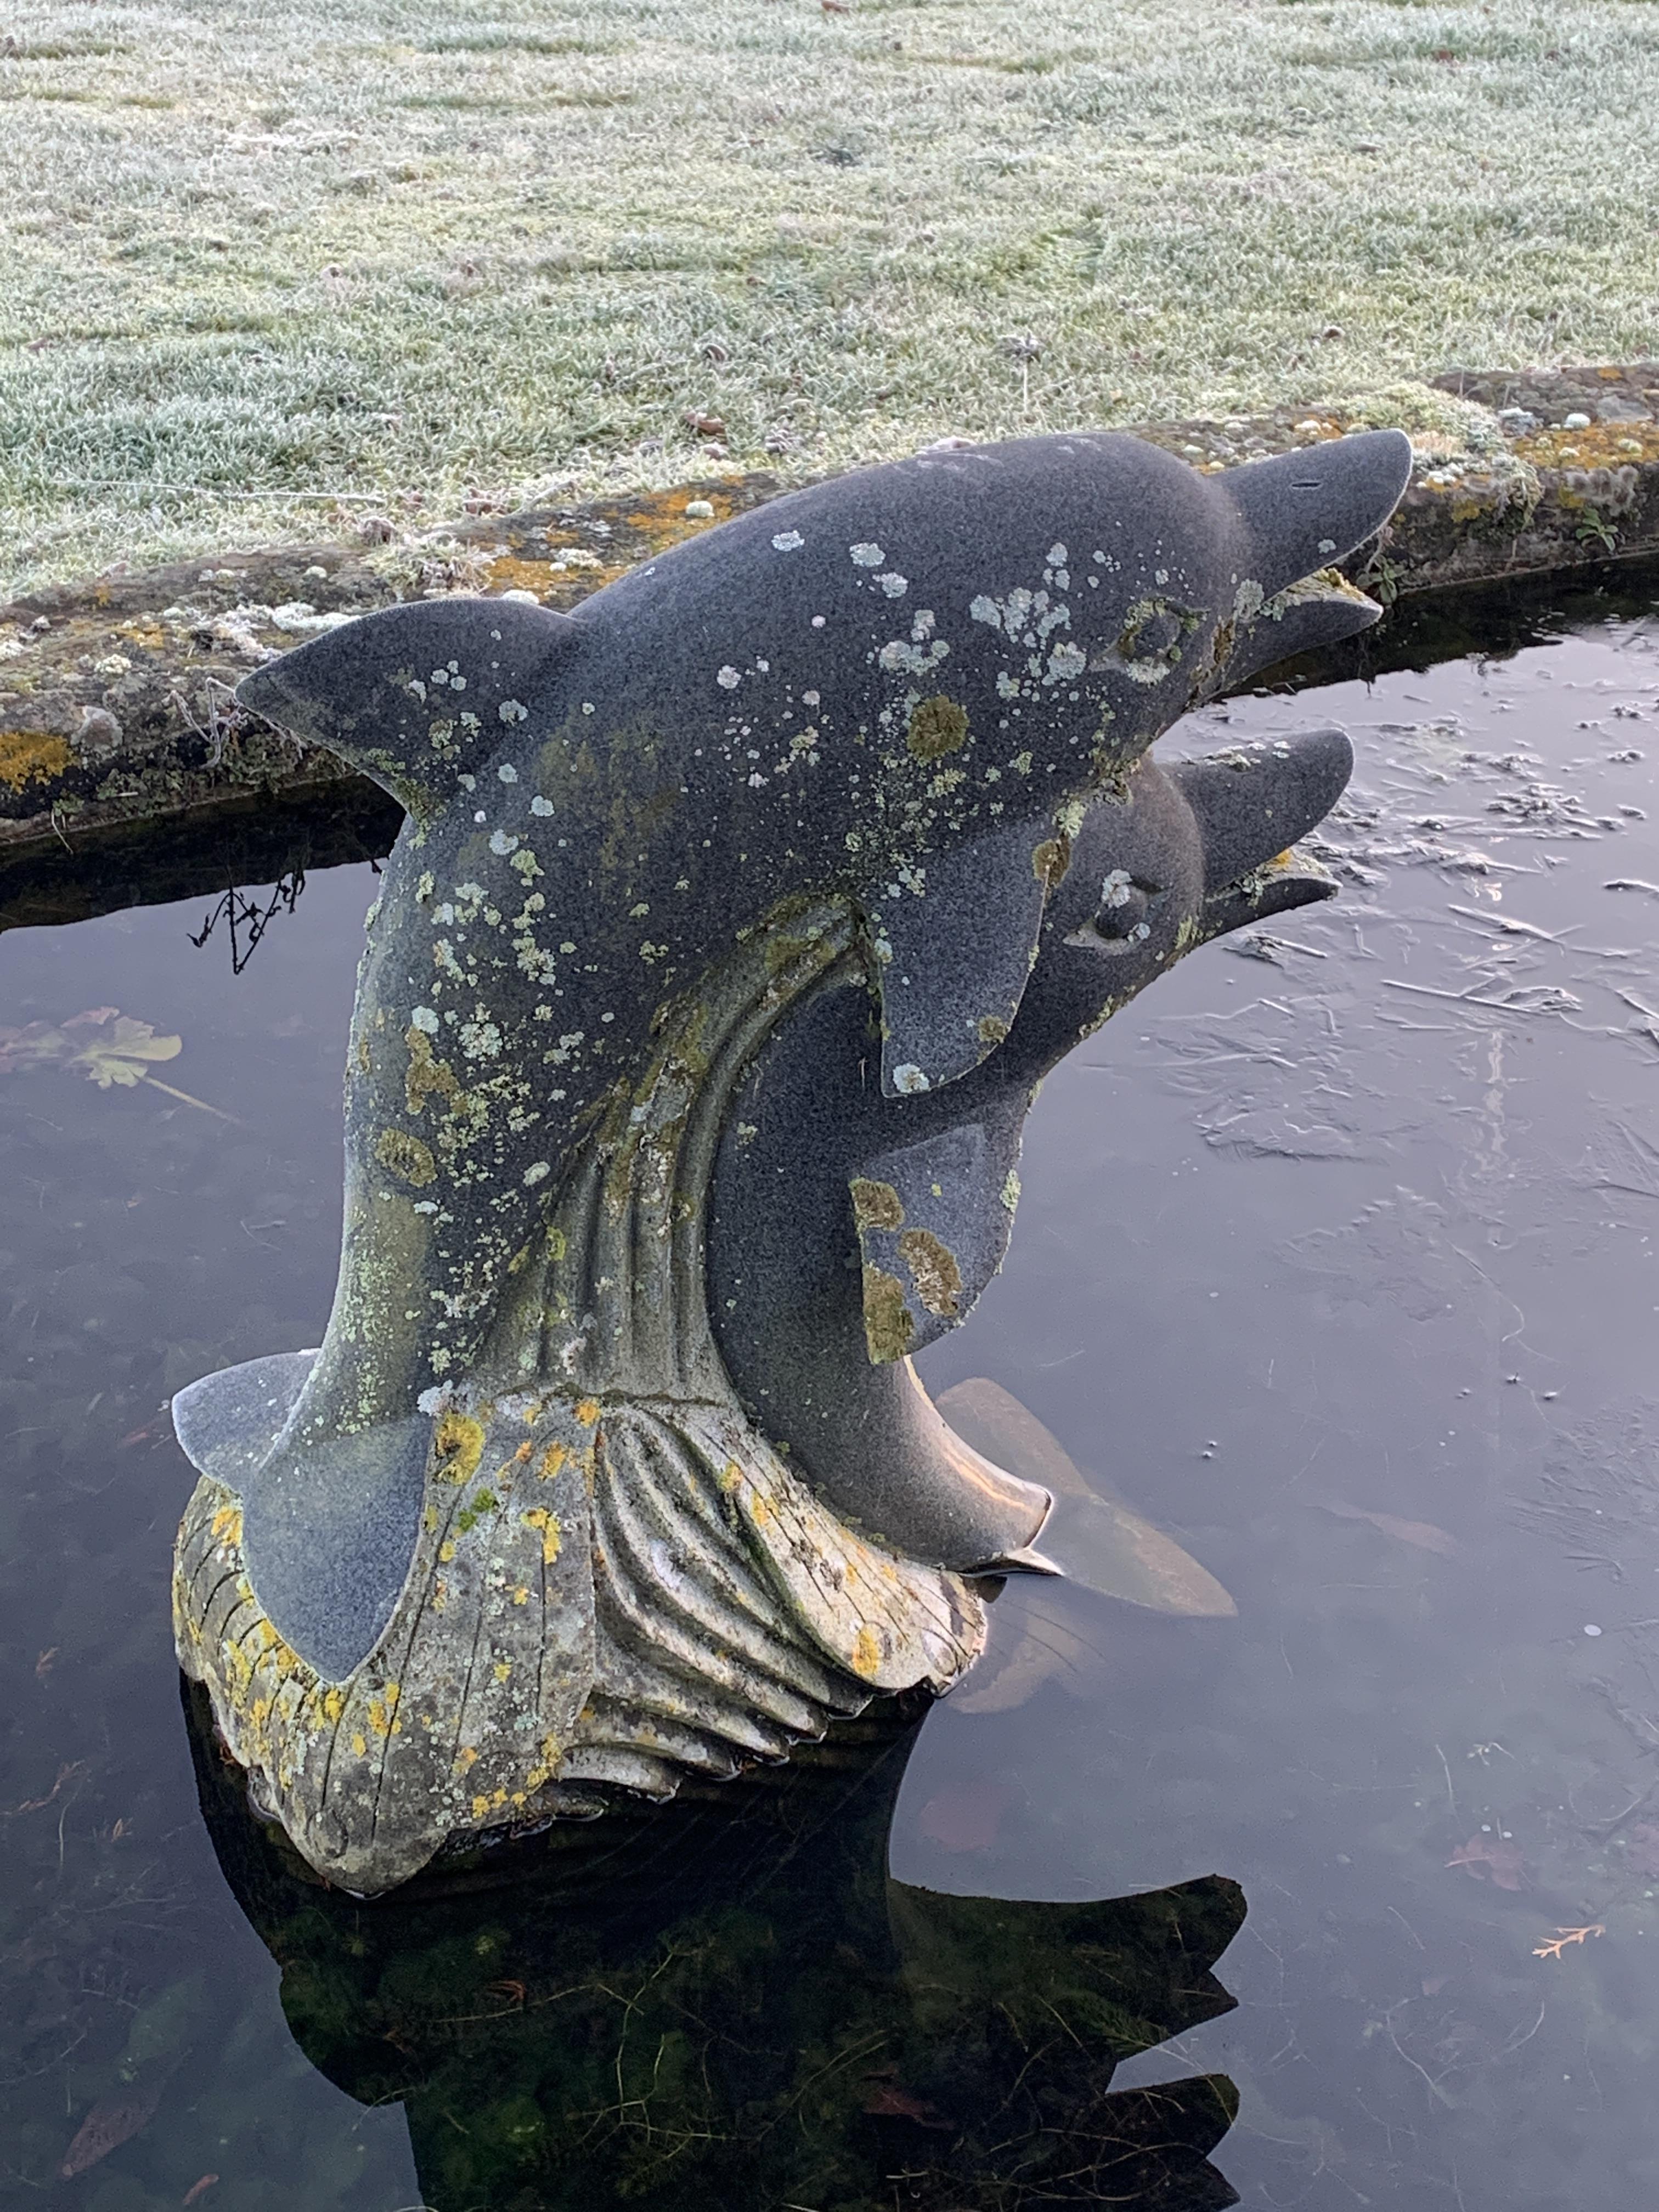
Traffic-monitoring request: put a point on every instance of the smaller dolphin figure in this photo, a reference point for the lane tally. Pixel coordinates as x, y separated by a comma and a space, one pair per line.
734, 921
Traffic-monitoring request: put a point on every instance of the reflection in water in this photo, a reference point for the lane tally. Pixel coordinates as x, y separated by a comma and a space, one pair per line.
727, 2002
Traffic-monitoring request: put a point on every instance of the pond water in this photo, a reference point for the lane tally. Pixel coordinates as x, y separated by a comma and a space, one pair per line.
1335, 1260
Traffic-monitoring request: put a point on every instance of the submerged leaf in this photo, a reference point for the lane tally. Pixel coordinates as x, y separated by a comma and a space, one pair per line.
1105, 1545
112, 2122
966, 1818
1491, 1854
1422, 1534
108, 1046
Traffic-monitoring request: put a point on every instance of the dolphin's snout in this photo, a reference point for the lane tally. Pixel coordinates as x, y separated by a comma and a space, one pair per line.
1302, 513
1252, 804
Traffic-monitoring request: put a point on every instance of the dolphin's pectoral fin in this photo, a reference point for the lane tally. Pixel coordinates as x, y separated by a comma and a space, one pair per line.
954, 952
227, 1422
416, 696
934, 1220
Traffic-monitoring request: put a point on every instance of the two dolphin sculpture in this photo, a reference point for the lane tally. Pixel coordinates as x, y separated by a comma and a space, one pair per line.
735, 919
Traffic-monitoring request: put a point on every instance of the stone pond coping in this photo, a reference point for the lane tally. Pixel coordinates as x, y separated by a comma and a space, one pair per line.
118, 728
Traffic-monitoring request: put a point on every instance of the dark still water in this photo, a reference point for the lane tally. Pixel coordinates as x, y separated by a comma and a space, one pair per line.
1335, 1261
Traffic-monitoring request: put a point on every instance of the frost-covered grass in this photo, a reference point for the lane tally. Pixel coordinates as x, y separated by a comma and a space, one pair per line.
431, 247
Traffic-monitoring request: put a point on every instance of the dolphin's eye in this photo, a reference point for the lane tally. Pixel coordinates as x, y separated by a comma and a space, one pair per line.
1124, 918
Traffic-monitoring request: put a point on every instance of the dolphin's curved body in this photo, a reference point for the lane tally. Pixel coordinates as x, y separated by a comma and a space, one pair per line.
921, 695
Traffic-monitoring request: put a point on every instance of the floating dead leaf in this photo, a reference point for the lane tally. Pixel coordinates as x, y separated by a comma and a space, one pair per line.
43, 1664
198, 2188
110, 1048
111, 2123
966, 1818
1105, 1544
1493, 1855
1422, 1534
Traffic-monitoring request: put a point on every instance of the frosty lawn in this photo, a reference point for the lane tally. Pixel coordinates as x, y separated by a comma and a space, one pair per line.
258, 259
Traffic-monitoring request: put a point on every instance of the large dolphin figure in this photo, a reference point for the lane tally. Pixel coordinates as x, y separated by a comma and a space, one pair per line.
879, 744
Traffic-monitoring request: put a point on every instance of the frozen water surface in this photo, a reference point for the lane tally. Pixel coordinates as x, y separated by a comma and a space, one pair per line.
1335, 1260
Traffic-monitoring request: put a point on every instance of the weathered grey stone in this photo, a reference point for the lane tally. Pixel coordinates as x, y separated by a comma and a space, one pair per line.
735, 919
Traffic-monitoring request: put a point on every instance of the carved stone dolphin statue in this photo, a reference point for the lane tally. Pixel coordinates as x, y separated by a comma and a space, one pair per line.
891, 727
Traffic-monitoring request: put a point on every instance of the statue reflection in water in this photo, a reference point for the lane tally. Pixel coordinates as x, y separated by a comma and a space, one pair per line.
727, 2004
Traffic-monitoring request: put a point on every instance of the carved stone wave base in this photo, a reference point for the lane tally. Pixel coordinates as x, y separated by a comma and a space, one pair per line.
602, 1597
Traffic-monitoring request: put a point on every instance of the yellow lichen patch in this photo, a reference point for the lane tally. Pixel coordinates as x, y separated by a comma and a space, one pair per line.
427, 1075
32, 756
406, 1157
936, 727
866, 1655
933, 1270
552, 1460
457, 1443
660, 516
1050, 860
511, 573
226, 1525
465, 1757
502, 1670
333, 1705
876, 1205
731, 1477
381, 1710
588, 1412
889, 1324
1603, 445
552, 1535
521, 1595
480, 1808
360, 1745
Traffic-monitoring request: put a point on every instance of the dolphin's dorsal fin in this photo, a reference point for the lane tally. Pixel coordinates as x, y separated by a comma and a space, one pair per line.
934, 1220
954, 943
416, 696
